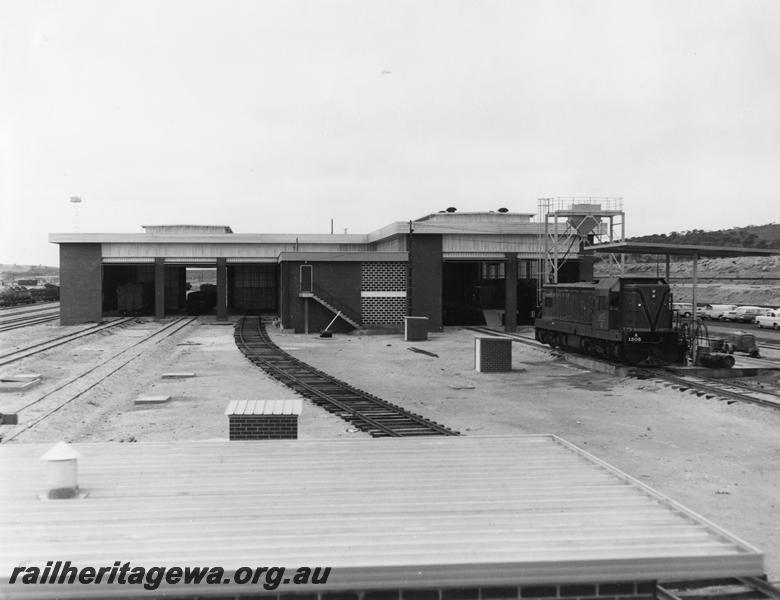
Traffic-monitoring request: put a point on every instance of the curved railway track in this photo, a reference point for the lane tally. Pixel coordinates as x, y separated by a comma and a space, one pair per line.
47, 404
364, 411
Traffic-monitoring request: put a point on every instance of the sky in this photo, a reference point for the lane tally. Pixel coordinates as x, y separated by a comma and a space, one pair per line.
278, 116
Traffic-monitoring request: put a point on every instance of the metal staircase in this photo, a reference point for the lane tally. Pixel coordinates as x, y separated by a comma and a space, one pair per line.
317, 294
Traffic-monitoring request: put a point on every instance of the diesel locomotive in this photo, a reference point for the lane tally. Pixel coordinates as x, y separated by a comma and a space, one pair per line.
625, 319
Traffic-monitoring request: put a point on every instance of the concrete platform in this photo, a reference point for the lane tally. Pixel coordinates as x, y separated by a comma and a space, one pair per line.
598, 365
18, 384
20, 377
160, 399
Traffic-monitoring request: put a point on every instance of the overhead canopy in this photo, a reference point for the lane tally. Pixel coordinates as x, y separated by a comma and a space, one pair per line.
679, 250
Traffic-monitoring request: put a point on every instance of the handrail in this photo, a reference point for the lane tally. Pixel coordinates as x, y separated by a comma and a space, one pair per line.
335, 302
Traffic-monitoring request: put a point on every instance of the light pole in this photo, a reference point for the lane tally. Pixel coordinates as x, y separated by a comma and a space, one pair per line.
75, 201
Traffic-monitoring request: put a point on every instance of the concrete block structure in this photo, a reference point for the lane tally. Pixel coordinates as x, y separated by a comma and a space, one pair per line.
447, 266
415, 329
264, 419
492, 355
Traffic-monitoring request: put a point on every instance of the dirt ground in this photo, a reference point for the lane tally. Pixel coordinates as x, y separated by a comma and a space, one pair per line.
721, 460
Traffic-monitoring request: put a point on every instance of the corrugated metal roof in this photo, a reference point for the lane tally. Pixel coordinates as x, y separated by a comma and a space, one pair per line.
680, 250
287, 406
410, 513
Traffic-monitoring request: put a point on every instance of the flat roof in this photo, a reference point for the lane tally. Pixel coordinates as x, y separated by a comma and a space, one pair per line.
382, 513
493, 224
184, 227
506, 214
206, 238
679, 250
288, 406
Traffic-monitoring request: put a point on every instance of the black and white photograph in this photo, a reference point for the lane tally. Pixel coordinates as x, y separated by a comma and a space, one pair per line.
390, 300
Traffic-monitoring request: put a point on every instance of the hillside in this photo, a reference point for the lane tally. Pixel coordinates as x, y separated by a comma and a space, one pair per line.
745, 280
10, 273
752, 236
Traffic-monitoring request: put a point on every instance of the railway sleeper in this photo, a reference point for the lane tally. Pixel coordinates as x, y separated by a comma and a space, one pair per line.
365, 411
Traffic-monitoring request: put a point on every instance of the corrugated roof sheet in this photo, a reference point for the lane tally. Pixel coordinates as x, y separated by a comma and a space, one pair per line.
288, 406
410, 512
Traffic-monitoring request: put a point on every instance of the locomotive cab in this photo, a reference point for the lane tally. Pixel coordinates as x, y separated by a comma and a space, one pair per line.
646, 307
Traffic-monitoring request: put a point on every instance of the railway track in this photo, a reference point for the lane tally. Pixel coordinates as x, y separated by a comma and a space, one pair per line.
42, 407
713, 388
364, 411
59, 340
515, 337
23, 319
28, 308
702, 386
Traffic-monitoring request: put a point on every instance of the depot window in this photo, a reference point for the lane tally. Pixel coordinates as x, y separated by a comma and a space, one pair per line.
493, 270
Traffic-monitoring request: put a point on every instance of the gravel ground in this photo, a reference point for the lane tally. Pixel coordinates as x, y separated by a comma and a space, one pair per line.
720, 460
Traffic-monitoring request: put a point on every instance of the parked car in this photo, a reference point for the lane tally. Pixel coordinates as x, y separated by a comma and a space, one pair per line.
772, 319
744, 314
682, 308
716, 312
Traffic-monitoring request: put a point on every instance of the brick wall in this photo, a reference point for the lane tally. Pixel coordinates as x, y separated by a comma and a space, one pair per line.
263, 427
427, 268
493, 355
81, 277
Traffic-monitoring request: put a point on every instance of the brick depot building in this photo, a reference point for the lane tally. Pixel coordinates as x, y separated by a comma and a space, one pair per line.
450, 267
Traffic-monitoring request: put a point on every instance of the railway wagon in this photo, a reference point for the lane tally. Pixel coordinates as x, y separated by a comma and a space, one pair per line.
626, 319
135, 298
15, 294
45, 293
203, 300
